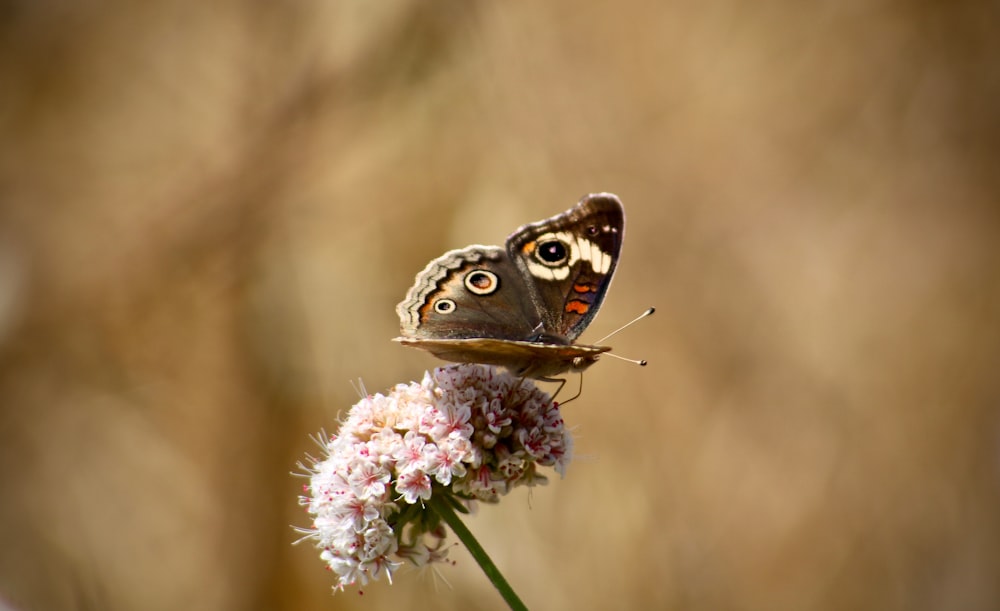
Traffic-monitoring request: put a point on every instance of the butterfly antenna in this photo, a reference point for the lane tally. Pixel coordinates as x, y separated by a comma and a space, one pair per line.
648, 312
639, 362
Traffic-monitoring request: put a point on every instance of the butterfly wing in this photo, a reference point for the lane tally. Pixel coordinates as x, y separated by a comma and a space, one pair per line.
474, 292
567, 262
530, 359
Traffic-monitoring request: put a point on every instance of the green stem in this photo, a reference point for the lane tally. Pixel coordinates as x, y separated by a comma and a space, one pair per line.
443, 509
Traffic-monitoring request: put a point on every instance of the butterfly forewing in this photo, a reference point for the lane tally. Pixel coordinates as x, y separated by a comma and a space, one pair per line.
568, 262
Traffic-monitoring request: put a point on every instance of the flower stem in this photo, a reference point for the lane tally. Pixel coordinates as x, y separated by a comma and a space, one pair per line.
443, 509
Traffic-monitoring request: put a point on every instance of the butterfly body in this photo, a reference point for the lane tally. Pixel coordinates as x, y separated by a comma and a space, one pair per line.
524, 305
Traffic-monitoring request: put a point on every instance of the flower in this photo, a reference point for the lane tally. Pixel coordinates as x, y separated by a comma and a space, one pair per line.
465, 433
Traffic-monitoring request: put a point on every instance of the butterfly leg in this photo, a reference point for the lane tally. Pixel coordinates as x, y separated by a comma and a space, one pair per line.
562, 383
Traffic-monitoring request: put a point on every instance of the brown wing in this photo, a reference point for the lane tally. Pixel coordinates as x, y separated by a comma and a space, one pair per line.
529, 359
568, 261
472, 292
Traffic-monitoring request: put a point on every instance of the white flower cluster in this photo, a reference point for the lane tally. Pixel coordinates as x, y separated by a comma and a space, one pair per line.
469, 431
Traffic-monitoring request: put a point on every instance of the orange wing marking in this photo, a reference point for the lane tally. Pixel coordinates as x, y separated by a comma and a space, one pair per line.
577, 306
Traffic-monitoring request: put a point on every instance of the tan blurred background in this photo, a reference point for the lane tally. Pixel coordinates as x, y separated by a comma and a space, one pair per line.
209, 211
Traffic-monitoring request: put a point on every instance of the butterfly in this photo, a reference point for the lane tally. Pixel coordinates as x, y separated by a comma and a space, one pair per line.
521, 306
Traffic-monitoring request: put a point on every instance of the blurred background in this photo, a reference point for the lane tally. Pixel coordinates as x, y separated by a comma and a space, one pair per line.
208, 212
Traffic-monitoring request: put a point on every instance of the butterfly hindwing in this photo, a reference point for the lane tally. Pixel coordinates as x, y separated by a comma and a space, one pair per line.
474, 292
